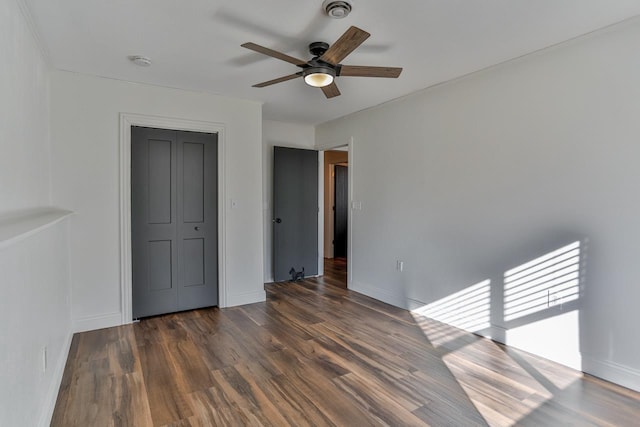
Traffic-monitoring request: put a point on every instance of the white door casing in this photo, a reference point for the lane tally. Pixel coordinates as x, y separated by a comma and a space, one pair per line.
127, 120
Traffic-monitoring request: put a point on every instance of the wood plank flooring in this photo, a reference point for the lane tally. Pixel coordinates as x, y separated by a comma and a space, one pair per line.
335, 272
318, 355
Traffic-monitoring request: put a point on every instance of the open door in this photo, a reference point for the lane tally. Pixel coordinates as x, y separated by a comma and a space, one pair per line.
295, 212
340, 211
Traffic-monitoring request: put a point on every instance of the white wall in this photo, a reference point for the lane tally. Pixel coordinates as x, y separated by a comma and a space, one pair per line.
85, 141
283, 135
34, 314
34, 308
471, 178
24, 109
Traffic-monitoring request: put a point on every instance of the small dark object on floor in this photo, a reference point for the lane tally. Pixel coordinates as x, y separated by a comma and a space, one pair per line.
296, 275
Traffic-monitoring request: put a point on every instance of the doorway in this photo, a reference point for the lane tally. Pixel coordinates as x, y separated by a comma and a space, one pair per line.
174, 220
340, 210
336, 211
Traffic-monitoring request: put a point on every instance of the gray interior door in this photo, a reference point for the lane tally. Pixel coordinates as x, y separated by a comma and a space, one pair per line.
174, 220
341, 211
295, 212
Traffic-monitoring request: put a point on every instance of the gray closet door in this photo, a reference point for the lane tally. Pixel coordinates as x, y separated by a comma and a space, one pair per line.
198, 220
173, 220
295, 212
341, 211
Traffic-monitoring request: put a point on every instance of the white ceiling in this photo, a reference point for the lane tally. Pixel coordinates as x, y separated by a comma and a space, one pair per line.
195, 44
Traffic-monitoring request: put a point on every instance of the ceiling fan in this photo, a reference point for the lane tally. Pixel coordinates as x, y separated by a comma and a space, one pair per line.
324, 67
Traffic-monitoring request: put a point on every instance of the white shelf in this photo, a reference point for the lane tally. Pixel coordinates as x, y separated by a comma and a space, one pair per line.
17, 226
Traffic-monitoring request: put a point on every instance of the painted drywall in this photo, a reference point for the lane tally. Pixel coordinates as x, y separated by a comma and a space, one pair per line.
472, 178
283, 135
330, 160
35, 314
24, 124
34, 308
85, 170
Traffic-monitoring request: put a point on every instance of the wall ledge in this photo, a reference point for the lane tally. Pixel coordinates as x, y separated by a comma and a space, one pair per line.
18, 225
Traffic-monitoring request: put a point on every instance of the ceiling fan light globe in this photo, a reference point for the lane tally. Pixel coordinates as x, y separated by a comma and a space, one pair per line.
318, 79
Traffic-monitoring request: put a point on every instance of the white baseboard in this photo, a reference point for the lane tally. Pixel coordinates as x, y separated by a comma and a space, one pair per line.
54, 386
414, 304
380, 294
248, 298
611, 371
97, 322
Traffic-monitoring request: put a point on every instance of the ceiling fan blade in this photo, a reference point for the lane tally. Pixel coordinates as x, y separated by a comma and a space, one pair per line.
364, 71
274, 54
331, 90
278, 80
347, 43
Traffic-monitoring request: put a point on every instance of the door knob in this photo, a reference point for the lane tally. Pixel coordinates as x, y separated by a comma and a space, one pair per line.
277, 220
196, 228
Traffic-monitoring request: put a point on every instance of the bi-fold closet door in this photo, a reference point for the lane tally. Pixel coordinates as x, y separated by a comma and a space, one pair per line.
174, 220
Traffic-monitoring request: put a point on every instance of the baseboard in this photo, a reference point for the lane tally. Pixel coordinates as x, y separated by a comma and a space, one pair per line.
414, 304
54, 386
248, 298
380, 294
97, 322
613, 372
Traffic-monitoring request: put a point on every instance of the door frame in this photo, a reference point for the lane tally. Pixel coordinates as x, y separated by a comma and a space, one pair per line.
127, 120
350, 144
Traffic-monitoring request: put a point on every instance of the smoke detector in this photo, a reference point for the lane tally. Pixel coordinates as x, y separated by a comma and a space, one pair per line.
337, 9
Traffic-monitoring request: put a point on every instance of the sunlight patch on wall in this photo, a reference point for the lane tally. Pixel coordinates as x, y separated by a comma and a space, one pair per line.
468, 309
556, 338
548, 281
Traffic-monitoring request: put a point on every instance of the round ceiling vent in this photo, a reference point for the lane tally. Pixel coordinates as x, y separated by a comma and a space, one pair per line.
337, 9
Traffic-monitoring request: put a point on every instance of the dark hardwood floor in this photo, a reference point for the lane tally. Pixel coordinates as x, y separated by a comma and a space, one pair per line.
313, 355
335, 272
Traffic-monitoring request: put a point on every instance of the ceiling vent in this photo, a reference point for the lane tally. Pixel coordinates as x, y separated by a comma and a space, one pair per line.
337, 9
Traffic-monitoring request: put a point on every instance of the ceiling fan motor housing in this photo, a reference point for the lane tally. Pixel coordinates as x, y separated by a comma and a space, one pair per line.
337, 9
318, 48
